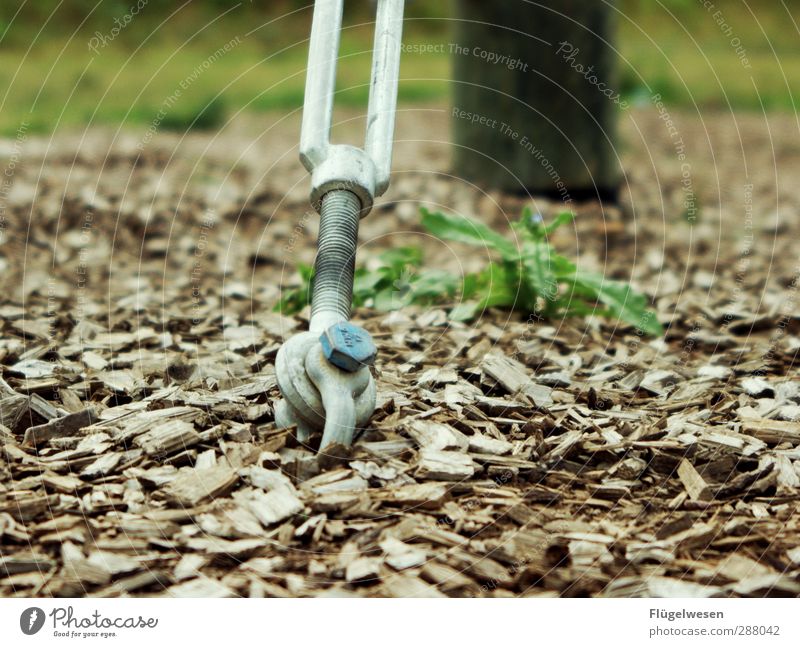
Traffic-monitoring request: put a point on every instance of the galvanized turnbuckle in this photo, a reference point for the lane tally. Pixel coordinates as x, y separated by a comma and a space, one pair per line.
324, 374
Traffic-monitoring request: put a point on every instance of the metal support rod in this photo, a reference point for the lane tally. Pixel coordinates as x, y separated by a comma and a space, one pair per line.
364, 171
324, 373
323, 50
383, 90
335, 263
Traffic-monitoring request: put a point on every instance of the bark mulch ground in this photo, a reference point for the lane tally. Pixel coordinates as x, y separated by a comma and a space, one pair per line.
507, 457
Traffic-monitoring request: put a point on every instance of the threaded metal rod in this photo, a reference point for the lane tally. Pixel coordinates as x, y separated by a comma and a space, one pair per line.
336, 254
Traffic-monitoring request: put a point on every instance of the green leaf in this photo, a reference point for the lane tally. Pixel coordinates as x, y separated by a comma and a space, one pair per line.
501, 286
542, 267
465, 230
496, 286
531, 277
470, 286
563, 269
295, 299
367, 283
563, 218
390, 299
538, 275
622, 302
536, 227
465, 311
432, 284
400, 258
306, 272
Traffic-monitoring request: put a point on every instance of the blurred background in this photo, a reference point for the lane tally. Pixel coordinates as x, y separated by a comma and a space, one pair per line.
72, 64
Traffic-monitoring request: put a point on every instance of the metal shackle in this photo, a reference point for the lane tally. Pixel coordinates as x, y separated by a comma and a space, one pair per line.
364, 172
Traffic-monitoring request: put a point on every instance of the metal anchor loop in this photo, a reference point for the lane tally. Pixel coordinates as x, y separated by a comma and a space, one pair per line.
324, 374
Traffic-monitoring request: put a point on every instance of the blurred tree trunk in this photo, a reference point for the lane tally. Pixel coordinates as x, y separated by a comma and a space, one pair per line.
547, 112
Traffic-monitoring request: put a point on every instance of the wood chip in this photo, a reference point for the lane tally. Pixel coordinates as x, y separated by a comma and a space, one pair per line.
272, 507
444, 466
507, 457
514, 378
484, 445
695, 486
196, 485
408, 586
168, 437
773, 431
201, 587
65, 426
435, 435
13, 564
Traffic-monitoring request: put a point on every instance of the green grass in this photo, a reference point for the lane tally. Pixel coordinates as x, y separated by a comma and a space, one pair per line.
59, 83
116, 88
681, 52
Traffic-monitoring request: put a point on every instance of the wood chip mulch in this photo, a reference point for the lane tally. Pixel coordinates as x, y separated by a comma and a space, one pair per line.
508, 457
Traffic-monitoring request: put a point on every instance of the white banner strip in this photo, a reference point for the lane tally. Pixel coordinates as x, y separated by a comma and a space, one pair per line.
547, 622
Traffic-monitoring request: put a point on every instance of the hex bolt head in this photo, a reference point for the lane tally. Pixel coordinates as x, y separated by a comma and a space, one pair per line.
348, 347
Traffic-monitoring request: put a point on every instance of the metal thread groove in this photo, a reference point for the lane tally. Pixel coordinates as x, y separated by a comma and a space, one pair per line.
336, 253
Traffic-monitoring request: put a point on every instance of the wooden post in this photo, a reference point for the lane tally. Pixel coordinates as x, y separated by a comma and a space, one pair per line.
535, 98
